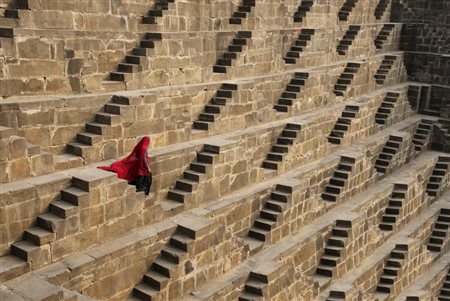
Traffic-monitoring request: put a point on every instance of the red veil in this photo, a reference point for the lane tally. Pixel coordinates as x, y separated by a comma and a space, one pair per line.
132, 165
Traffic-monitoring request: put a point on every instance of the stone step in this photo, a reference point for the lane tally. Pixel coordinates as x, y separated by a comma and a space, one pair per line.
75, 196
63, 209
12, 267
39, 236
26, 250
178, 195
275, 205
156, 280
50, 222
173, 254
163, 267
89, 138
257, 233
145, 292
181, 242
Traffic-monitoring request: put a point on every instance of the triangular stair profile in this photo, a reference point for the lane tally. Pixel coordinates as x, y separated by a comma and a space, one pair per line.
336, 184
346, 78
304, 7
381, 9
162, 270
136, 61
291, 92
444, 292
333, 250
386, 66
299, 45
268, 216
60, 220
237, 46
392, 268
213, 109
343, 124
347, 40
242, 11
106, 125
157, 11
394, 208
390, 149
440, 172
422, 134
387, 106
346, 9
279, 150
198, 170
383, 35
440, 233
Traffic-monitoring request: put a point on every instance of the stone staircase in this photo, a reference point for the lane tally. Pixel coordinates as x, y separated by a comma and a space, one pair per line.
346, 78
338, 181
106, 125
380, 10
347, 40
336, 296
192, 178
136, 61
384, 69
440, 233
303, 9
269, 216
392, 268
236, 47
394, 208
387, 107
333, 251
291, 92
164, 267
242, 11
389, 151
61, 220
279, 150
383, 35
439, 176
157, 11
444, 292
213, 109
346, 9
299, 46
422, 134
343, 123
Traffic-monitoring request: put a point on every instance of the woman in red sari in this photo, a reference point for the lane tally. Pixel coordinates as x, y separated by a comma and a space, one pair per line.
135, 168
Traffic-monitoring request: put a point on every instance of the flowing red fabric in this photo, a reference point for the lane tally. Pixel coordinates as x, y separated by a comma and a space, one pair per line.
132, 165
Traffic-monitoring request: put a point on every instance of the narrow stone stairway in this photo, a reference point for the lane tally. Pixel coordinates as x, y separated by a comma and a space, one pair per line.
440, 233
236, 47
338, 181
347, 40
292, 92
284, 142
333, 251
394, 207
242, 11
299, 46
304, 7
213, 109
390, 149
346, 78
387, 106
342, 124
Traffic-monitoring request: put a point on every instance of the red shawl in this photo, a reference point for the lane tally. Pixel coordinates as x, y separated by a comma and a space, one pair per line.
132, 165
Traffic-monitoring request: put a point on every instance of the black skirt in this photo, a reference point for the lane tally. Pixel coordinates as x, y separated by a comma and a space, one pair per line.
143, 183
